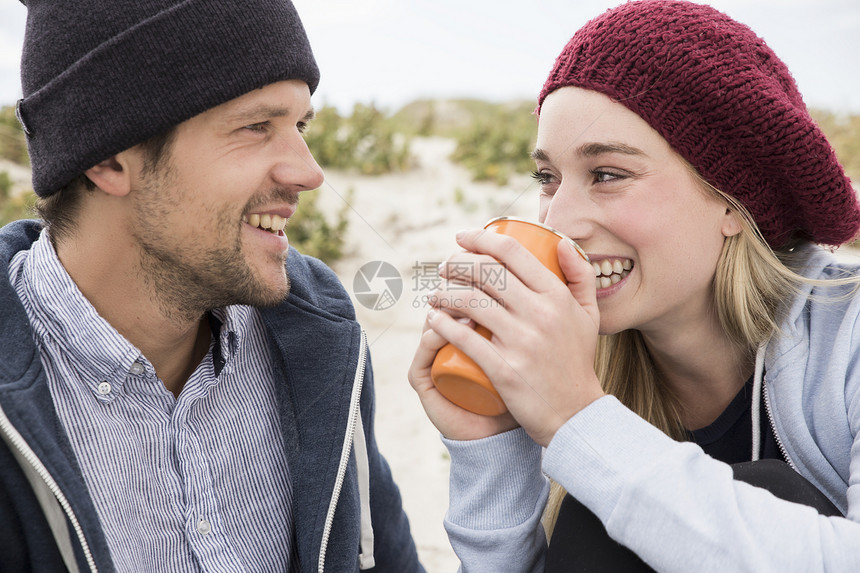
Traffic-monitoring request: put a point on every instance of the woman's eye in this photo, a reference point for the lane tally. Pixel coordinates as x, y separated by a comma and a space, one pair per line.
547, 182
541, 177
605, 176
302, 126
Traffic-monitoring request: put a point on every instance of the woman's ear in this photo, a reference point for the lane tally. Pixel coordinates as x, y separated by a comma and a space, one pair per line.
731, 224
112, 175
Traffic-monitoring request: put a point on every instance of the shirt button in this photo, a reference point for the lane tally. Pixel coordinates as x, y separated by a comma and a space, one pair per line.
104, 388
204, 527
136, 368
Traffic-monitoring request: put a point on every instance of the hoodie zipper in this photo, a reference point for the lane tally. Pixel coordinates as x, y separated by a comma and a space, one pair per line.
354, 405
32, 459
773, 426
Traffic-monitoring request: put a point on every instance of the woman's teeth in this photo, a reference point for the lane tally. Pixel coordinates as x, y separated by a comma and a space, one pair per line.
611, 271
272, 223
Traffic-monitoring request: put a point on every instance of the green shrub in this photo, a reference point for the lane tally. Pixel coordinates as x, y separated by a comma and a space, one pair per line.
14, 206
313, 232
498, 142
5, 185
843, 131
366, 141
13, 144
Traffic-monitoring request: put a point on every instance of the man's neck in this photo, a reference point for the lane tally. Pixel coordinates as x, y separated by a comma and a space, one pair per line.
173, 343
174, 366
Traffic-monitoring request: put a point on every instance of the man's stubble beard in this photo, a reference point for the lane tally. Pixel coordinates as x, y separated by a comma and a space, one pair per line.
187, 280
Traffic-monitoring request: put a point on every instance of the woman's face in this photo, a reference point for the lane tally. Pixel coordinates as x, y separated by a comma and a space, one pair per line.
613, 184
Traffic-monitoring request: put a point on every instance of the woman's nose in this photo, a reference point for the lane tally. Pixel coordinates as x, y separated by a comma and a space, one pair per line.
570, 214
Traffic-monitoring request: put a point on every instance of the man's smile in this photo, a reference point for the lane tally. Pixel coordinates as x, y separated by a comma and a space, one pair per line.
272, 223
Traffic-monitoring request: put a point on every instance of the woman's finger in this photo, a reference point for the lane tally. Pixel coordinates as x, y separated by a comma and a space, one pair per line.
514, 257
580, 278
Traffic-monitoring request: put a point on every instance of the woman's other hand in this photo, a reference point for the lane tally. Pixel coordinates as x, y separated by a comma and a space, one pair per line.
452, 421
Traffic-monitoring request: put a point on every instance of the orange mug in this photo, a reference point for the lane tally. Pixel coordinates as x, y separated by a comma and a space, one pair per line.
455, 375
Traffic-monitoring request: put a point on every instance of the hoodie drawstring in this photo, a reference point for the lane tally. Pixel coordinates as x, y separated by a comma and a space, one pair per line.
758, 388
365, 558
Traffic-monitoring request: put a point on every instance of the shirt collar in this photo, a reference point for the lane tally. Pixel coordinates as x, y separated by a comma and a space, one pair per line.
229, 328
65, 320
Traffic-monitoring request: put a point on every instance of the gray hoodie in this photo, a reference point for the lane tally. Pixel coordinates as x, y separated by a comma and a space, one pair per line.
677, 508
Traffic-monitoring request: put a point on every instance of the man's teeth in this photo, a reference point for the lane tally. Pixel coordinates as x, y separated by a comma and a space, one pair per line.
610, 271
272, 223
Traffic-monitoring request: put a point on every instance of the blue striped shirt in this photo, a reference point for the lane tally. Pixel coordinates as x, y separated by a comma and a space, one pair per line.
187, 484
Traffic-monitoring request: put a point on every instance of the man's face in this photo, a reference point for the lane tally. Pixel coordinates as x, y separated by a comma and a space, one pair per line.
208, 220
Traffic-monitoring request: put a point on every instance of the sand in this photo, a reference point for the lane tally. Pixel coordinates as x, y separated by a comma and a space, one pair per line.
409, 221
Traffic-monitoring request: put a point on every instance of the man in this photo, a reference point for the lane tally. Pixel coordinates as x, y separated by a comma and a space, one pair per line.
179, 391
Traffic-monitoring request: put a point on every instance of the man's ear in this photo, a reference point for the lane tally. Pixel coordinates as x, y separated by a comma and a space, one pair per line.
112, 175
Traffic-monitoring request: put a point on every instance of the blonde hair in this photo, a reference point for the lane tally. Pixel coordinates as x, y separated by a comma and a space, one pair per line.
751, 284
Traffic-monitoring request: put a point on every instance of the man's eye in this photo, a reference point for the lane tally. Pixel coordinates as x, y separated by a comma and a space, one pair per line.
302, 126
261, 127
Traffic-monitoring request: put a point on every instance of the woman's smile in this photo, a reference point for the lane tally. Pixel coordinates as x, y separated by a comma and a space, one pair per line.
610, 271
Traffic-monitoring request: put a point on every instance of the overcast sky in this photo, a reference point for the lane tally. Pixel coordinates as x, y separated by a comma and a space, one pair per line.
393, 51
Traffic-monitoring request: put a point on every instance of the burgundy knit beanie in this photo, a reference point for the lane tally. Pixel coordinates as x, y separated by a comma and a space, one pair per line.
100, 77
726, 103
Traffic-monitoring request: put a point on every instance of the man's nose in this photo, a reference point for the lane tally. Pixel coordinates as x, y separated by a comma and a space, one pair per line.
296, 167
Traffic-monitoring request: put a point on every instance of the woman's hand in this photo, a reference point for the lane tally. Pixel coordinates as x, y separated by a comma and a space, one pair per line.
541, 355
452, 421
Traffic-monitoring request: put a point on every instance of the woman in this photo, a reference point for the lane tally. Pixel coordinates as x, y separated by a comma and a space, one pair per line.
713, 426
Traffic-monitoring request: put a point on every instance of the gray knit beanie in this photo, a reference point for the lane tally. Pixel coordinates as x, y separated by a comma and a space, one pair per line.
100, 77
